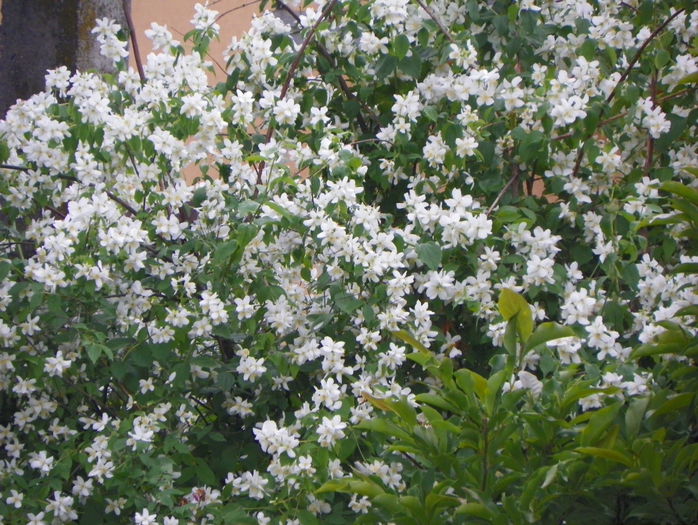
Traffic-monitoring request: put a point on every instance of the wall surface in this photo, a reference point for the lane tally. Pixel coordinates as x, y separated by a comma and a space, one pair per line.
235, 17
35, 36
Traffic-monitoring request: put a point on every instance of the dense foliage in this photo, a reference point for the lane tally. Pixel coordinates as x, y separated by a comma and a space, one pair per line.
438, 265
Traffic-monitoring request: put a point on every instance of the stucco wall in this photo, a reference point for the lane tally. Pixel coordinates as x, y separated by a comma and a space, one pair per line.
176, 14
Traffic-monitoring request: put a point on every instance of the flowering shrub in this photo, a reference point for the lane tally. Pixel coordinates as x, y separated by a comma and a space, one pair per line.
383, 177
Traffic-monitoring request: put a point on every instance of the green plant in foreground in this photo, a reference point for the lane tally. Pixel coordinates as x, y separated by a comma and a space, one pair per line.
510, 448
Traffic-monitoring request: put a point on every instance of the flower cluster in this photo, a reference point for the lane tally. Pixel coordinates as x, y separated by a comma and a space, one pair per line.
176, 353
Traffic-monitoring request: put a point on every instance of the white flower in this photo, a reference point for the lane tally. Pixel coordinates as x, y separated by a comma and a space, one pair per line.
286, 111
435, 151
251, 368
330, 431
55, 366
15, 499
41, 461
439, 285
329, 394
466, 146
276, 440
528, 381
145, 518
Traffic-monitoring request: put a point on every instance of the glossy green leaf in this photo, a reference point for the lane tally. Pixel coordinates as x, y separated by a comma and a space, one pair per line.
546, 332
598, 423
513, 305
634, 415
351, 486
476, 510
606, 453
406, 337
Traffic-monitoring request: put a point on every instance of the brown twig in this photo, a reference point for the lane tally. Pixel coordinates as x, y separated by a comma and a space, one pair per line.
637, 56
623, 77
514, 178
134, 40
242, 6
292, 70
290, 11
296, 62
433, 16
326, 55
619, 116
650, 140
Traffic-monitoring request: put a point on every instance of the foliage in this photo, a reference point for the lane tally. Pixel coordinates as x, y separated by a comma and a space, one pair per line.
488, 450
485, 183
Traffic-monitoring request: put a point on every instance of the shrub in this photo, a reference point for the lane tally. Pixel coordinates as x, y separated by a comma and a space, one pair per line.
386, 176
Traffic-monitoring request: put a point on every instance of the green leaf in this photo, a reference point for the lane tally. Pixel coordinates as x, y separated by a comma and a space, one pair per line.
470, 381
401, 45
688, 193
430, 113
383, 426
224, 251
598, 423
95, 350
634, 415
279, 209
386, 66
400, 407
351, 486
687, 268
430, 254
512, 304
406, 337
661, 59
245, 233
674, 403
307, 518
689, 79
436, 502
549, 331
438, 402
5, 267
4, 152
411, 65
477, 510
346, 302
549, 476
606, 453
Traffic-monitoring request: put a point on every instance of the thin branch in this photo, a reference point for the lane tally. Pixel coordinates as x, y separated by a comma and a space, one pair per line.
243, 6
637, 56
292, 71
619, 116
134, 40
650, 140
623, 77
304, 45
16, 168
413, 461
433, 16
512, 180
326, 55
290, 11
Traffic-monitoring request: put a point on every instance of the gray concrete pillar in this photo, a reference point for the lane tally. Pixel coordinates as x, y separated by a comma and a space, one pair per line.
36, 35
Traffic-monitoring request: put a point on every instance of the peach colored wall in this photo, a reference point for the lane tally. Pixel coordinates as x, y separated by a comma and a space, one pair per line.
176, 14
